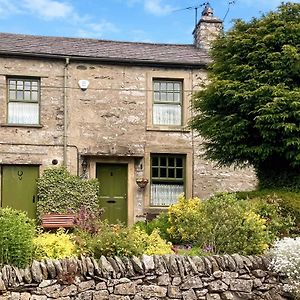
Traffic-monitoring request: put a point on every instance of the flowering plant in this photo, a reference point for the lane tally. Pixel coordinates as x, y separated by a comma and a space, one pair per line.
286, 260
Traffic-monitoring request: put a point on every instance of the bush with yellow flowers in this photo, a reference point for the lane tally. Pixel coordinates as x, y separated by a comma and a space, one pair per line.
221, 224
54, 245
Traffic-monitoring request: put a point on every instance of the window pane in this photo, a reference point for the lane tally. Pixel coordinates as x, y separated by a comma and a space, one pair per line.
170, 86
34, 96
163, 86
166, 114
177, 86
27, 85
155, 172
177, 97
34, 85
171, 173
12, 95
20, 85
170, 97
179, 173
163, 97
12, 84
165, 194
23, 113
156, 96
20, 95
163, 161
179, 162
156, 86
171, 161
163, 173
155, 161
27, 95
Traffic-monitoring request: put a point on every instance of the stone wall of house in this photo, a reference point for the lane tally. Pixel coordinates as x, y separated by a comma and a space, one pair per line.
233, 277
109, 122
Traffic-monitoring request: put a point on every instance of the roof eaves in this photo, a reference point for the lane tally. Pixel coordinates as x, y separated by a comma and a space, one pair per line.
138, 62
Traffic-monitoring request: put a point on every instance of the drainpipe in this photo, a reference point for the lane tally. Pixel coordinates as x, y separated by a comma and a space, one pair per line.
65, 142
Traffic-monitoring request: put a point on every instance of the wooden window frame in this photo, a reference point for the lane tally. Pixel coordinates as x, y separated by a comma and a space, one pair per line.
23, 100
168, 92
167, 179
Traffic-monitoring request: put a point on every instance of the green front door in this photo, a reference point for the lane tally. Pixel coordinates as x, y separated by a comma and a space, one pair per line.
18, 188
113, 191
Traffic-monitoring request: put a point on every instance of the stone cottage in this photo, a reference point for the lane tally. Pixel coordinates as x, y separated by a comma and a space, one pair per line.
116, 111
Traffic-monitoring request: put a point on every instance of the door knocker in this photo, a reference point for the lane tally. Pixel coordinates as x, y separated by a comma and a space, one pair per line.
20, 174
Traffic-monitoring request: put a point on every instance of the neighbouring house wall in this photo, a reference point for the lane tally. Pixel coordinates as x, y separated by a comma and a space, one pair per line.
225, 277
37, 145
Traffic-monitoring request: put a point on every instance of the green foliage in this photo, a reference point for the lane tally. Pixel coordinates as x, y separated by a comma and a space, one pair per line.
122, 241
280, 208
160, 223
16, 234
54, 245
61, 192
221, 224
187, 220
250, 111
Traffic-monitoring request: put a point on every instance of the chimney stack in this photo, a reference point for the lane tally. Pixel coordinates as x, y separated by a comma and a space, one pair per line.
207, 29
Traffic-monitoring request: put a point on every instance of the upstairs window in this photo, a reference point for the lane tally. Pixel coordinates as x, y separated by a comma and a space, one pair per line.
167, 179
167, 102
23, 101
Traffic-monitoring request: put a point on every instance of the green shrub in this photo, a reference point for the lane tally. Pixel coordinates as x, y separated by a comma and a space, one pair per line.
60, 192
54, 245
121, 241
160, 223
16, 234
222, 224
280, 208
187, 220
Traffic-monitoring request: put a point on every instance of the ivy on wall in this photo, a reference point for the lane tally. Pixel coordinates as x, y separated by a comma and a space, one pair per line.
61, 192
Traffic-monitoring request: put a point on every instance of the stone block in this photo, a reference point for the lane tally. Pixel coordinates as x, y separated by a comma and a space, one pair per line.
100, 295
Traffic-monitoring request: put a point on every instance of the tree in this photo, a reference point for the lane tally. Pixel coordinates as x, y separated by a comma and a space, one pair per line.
249, 113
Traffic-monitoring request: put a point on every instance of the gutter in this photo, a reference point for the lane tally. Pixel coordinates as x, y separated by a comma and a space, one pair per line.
130, 62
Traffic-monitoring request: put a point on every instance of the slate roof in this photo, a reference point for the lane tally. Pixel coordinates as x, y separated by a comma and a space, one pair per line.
102, 50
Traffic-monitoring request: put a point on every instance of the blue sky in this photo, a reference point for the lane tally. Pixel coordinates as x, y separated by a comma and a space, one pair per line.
159, 21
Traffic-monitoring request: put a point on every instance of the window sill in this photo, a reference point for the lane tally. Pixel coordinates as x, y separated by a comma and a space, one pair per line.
156, 209
22, 125
169, 129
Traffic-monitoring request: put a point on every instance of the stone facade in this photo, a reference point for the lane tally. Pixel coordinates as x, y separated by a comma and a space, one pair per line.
226, 277
111, 120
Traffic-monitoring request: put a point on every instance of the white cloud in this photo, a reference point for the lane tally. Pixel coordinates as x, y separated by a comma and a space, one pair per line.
96, 30
49, 9
155, 7
7, 8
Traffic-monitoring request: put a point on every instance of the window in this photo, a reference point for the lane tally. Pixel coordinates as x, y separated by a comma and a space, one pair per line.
23, 101
167, 102
167, 178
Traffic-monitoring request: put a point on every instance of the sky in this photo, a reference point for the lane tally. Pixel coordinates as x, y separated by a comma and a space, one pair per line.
155, 21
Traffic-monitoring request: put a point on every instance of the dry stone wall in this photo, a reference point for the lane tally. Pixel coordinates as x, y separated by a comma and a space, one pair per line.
149, 277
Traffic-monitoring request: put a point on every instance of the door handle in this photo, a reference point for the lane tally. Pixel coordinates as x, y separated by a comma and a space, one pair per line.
33, 199
111, 201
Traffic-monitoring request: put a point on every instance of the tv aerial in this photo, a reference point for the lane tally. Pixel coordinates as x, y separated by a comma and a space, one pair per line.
194, 8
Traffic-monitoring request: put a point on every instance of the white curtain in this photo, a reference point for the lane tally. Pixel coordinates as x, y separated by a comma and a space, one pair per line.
166, 114
165, 194
23, 113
